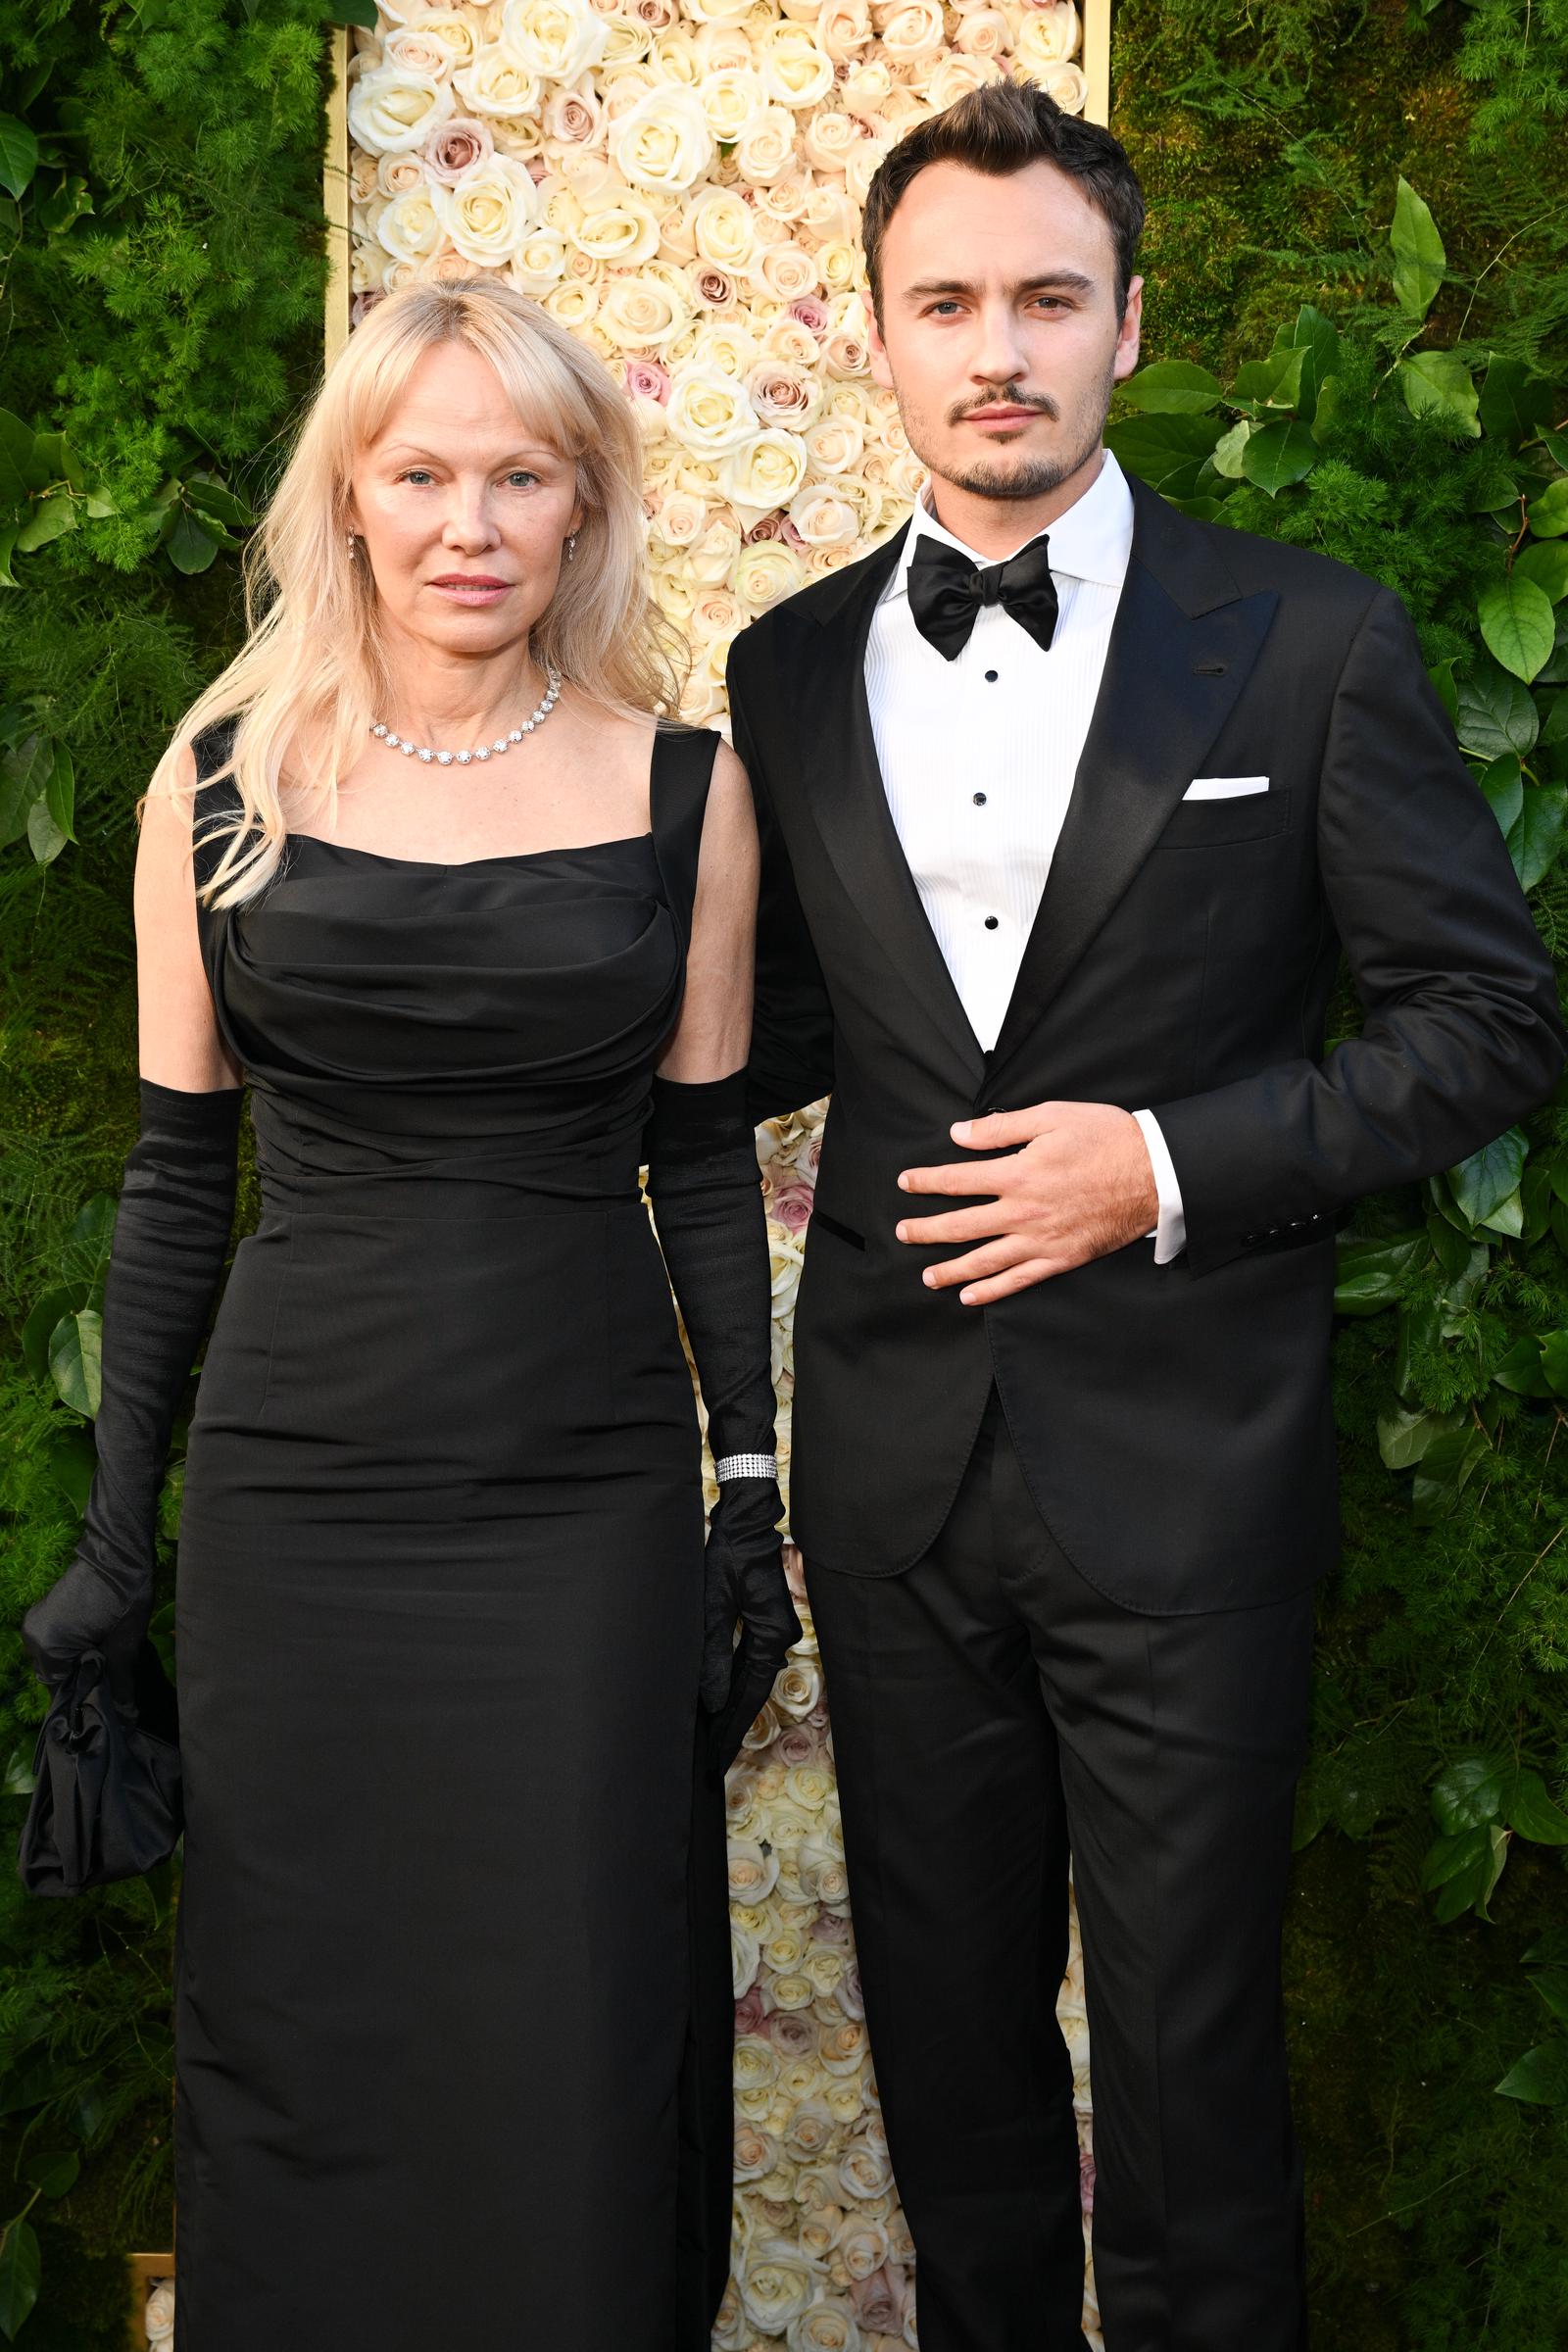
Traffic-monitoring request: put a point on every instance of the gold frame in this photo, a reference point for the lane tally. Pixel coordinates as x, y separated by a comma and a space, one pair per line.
335, 163
144, 2268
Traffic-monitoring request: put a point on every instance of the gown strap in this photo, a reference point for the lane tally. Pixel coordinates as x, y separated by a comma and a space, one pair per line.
681, 774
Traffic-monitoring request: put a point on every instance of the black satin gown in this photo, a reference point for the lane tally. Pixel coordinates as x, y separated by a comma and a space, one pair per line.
453, 2019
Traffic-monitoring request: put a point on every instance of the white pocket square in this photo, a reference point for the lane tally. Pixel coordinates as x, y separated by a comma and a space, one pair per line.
1223, 788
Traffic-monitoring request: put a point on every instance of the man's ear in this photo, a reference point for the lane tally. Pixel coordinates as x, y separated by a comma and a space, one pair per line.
877, 352
1129, 335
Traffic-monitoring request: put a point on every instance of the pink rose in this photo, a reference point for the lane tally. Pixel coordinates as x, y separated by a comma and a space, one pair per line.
658, 13
795, 1571
771, 526
879, 2301
792, 2033
852, 2000
811, 313
1086, 2180
750, 2013
645, 379
715, 287
792, 1205
830, 1927
794, 1746
455, 147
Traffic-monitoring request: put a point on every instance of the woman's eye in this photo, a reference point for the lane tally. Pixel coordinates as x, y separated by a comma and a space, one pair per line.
415, 473
522, 475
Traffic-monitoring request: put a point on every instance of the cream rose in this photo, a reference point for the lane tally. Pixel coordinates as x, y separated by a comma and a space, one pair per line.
390, 111
830, 138
825, 2327
674, 54
913, 30
765, 472
538, 262
709, 412
752, 1875
644, 313
489, 212
765, 148
834, 443
983, 32
1046, 32
1066, 83
618, 226
419, 49
678, 519
560, 39
716, 613
762, 571
713, 553
955, 77
408, 226
795, 71
574, 305
840, 267
501, 82
396, 174
664, 141
788, 340
867, 87
844, 29
722, 227
731, 98
775, 2286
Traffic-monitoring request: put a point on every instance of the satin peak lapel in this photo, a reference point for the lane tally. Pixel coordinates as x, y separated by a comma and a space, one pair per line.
1182, 645
848, 801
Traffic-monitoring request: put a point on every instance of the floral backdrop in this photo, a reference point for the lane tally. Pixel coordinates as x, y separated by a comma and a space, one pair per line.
679, 181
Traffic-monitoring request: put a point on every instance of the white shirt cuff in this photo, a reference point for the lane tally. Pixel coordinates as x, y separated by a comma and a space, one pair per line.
1169, 1236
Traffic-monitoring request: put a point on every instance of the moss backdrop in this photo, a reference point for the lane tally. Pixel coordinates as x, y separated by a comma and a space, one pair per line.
163, 278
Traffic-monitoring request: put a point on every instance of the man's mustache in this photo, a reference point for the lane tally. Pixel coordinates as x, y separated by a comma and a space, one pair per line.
1004, 398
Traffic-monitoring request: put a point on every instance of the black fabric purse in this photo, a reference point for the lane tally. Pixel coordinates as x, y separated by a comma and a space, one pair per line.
107, 1799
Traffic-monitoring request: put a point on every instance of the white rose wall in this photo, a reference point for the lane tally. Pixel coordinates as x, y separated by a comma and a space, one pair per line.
679, 183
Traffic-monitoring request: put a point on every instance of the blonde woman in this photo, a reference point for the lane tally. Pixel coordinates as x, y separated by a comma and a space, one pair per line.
426, 871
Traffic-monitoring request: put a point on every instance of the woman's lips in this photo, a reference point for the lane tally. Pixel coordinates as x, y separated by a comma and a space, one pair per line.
472, 591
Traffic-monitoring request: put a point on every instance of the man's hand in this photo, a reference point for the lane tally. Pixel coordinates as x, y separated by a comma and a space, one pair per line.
1081, 1186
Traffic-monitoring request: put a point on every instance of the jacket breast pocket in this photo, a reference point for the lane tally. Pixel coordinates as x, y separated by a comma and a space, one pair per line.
1216, 824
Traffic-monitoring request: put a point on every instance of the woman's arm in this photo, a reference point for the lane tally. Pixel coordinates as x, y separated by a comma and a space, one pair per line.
180, 1042
711, 1036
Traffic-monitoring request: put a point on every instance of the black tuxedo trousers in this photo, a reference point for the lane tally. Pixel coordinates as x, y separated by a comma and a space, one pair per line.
993, 1713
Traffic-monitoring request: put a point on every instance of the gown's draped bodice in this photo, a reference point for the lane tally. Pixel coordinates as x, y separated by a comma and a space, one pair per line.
450, 1071
490, 1026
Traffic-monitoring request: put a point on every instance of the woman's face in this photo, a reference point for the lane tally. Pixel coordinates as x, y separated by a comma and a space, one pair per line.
462, 513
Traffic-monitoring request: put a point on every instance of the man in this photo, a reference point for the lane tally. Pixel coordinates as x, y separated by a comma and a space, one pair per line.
1069, 803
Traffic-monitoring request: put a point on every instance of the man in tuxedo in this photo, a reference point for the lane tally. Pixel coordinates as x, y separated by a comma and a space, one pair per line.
1070, 803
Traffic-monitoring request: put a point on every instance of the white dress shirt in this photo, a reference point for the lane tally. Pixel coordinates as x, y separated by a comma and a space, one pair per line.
978, 757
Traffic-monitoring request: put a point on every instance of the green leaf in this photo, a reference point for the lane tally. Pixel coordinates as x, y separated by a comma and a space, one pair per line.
19, 1775
52, 2171
1539, 2076
1483, 1182
349, 12
45, 837
1552, 1986
75, 1360
1517, 624
1372, 1274
1496, 714
1555, 1361
1549, 513
20, 2269
60, 793
1555, 730
1437, 385
50, 519
1319, 338
1325, 407
1514, 404
1169, 452
1440, 677
1547, 564
38, 1329
217, 502
1462, 1872
1556, 673
1274, 382
59, 460
1227, 459
1418, 256
18, 155
63, 206
72, 1457
1275, 456
8, 547
1444, 1471
191, 548
1405, 1436
1530, 1812
1536, 835
1470, 1792
1520, 1370
1503, 785
1173, 388
88, 1243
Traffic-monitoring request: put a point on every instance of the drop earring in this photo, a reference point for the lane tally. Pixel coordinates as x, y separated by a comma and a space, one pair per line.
571, 547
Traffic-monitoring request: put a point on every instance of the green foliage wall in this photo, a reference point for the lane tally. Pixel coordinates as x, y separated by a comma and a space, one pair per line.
162, 283
161, 306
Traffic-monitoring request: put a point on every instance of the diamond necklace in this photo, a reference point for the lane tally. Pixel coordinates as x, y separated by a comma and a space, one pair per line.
486, 751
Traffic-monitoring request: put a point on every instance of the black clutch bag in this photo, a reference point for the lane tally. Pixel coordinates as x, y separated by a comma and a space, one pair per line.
106, 1800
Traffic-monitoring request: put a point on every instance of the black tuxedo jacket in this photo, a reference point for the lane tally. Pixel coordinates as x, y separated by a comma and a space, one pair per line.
1173, 1421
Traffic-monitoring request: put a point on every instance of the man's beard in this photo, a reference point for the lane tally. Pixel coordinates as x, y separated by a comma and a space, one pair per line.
1031, 477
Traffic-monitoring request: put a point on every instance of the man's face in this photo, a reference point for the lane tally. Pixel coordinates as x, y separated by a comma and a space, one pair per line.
999, 329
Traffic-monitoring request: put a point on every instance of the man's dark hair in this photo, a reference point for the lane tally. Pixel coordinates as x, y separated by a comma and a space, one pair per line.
1000, 128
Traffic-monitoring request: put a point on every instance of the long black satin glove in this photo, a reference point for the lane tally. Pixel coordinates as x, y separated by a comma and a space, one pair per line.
177, 1204
707, 1204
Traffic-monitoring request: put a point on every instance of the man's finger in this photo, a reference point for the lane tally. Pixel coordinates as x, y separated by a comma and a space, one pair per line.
1004, 1252
956, 1225
960, 1176
1021, 1277
1002, 1128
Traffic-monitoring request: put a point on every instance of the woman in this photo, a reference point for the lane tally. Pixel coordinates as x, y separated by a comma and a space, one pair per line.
424, 869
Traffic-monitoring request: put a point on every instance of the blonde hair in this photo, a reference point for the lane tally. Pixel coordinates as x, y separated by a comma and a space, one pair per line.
314, 657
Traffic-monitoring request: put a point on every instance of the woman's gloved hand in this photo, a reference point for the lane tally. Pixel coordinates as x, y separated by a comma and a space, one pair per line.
744, 1580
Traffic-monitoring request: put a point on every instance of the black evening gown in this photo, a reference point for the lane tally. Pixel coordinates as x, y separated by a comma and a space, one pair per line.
452, 2024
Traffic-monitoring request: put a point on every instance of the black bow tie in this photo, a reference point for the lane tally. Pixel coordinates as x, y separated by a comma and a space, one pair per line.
947, 589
